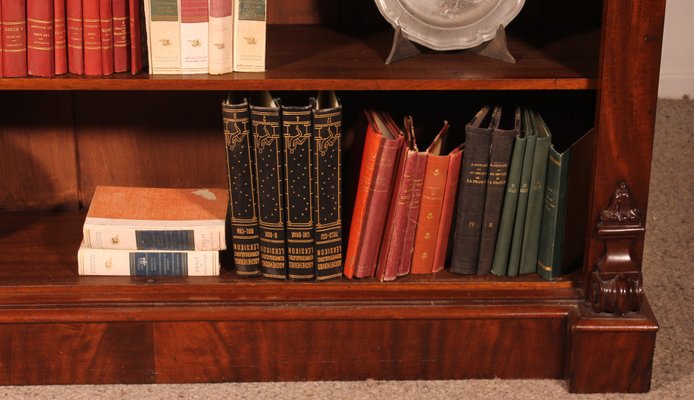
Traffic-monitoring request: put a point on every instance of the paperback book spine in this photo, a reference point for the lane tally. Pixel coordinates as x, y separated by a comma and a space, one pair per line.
221, 56
194, 36
60, 37
242, 195
268, 155
2, 50
186, 235
249, 35
327, 164
121, 39
75, 39
92, 37
106, 24
14, 39
147, 263
298, 171
40, 38
164, 37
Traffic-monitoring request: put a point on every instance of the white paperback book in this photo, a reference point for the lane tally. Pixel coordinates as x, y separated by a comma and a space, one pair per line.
249, 35
163, 36
194, 31
220, 57
147, 262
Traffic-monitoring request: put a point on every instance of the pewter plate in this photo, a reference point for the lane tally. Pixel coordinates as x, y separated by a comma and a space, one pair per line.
449, 24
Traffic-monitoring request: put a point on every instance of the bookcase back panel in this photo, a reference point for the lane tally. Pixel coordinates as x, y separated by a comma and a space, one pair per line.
158, 139
37, 151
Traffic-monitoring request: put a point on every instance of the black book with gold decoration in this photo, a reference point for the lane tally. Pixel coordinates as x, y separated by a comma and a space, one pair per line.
243, 211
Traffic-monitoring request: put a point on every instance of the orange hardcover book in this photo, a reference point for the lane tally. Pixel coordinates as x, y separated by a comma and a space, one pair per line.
437, 184
379, 162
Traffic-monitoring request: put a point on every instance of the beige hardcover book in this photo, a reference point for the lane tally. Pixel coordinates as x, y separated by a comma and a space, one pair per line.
132, 218
147, 262
221, 34
249, 35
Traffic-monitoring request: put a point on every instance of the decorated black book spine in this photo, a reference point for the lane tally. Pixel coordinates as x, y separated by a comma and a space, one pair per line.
267, 143
243, 215
298, 171
327, 192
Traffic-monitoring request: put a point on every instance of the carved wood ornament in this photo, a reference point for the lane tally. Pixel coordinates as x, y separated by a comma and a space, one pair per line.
616, 284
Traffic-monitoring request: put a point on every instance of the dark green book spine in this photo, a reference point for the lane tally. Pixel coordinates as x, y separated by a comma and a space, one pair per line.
552, 231
327, 151
297, 132
243, 208
267, 143
536, 195
473, 184
499, 160
508, 212
523, 190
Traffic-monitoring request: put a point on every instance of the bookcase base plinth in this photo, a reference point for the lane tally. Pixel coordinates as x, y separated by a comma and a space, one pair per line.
620, 358
314, 341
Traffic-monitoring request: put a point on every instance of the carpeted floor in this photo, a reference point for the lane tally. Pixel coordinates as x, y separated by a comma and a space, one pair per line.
668, 284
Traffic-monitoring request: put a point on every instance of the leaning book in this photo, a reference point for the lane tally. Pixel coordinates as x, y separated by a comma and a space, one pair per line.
133, 218
147, 262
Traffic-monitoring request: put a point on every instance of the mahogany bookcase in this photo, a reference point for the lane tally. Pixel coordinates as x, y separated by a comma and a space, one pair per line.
591, 63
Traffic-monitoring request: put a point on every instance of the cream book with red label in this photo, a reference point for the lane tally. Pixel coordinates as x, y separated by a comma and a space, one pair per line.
249, 35
131, 218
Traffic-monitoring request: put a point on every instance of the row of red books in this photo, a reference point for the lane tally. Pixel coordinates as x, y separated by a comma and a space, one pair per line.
52, 37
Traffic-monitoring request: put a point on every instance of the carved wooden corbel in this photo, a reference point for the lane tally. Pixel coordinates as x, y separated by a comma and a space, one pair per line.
616, 284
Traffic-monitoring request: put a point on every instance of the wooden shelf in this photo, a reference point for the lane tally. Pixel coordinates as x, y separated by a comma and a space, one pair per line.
308, 57
38, 265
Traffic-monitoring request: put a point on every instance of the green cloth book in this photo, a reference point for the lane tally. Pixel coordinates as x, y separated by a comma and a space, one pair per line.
536, 194
508, 211
519, 220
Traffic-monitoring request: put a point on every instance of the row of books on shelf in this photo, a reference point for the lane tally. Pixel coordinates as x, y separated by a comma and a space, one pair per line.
99, 37
495, 202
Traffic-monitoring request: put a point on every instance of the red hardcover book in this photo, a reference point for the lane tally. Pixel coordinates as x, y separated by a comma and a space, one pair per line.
431, 207
40, 53
394, 237
135, 36
372, 164
60, 37
92, 37
75, 40
121, 39
14, 40
380, 190
454, 161
106, 23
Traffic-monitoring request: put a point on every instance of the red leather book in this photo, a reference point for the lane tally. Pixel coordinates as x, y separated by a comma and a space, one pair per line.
380, 193
40, 53
455, 159
92, 37
75, 40
394, 237
378, 165
14, 40
135, 36
121, 41
106, 24
60, 37
431, 207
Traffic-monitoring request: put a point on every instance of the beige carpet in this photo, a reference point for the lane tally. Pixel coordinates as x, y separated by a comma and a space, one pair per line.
668, 284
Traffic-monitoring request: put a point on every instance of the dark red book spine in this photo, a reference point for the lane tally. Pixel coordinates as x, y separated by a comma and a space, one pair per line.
135, 36
14, 39
92, 37
121, 48
75, 40
106, 22
40, 53
60, 37
1, 48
